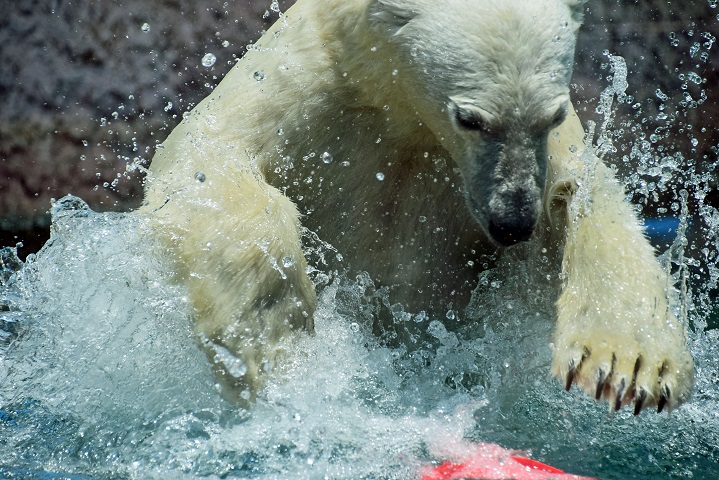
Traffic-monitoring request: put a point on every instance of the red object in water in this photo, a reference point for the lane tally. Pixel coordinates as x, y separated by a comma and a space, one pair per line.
492, 462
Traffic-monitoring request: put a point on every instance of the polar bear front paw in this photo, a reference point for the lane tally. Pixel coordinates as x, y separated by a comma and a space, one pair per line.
653, 371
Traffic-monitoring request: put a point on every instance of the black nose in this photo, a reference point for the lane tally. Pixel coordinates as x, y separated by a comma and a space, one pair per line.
510, 232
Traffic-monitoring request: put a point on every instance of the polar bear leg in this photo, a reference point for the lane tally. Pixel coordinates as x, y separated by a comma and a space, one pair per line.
237, 240
616, 334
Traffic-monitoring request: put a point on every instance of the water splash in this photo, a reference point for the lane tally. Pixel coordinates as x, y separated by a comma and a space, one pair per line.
100, 375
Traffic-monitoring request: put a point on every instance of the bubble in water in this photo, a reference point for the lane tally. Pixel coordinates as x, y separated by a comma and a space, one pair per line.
288, 261
326, 157
200, 177
225, 44
259, 76
145, 27
380, 176
168, 107
208, 60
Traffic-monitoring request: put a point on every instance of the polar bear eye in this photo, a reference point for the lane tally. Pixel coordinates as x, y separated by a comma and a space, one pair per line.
560, 116
468, 120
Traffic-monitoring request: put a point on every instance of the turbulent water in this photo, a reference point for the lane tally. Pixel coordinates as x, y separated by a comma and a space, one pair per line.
101, 377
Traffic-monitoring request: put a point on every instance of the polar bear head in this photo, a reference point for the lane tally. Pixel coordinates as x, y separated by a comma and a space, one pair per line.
491, 79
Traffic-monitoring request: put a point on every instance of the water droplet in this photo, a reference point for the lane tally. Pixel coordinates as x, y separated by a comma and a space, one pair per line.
380, 176
422, 219
225, 44
694, 78
345, 163
326, 157
233, 365
694, 49
145, 27
288, 261
168, 107
200, 177
259, 76
208, 60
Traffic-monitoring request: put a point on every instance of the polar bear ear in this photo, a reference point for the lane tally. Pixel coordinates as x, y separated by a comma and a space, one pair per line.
392, 15
577, 9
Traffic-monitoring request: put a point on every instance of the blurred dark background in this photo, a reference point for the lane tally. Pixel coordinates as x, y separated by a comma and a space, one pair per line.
87, 89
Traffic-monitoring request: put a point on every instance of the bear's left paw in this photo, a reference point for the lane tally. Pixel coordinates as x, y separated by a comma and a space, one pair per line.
651, 372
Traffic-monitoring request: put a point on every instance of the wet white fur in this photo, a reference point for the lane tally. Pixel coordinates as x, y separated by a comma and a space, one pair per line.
370, 82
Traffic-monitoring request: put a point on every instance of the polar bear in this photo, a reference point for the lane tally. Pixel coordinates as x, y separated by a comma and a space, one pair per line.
412, 135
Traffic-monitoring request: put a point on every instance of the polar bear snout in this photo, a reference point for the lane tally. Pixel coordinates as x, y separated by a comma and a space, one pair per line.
513, 215
505, 186
509, 215
509, 231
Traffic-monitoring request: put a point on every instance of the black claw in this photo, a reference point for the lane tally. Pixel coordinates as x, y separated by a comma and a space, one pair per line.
570, 377
600, 384
663, 399
639, 402
620, 393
